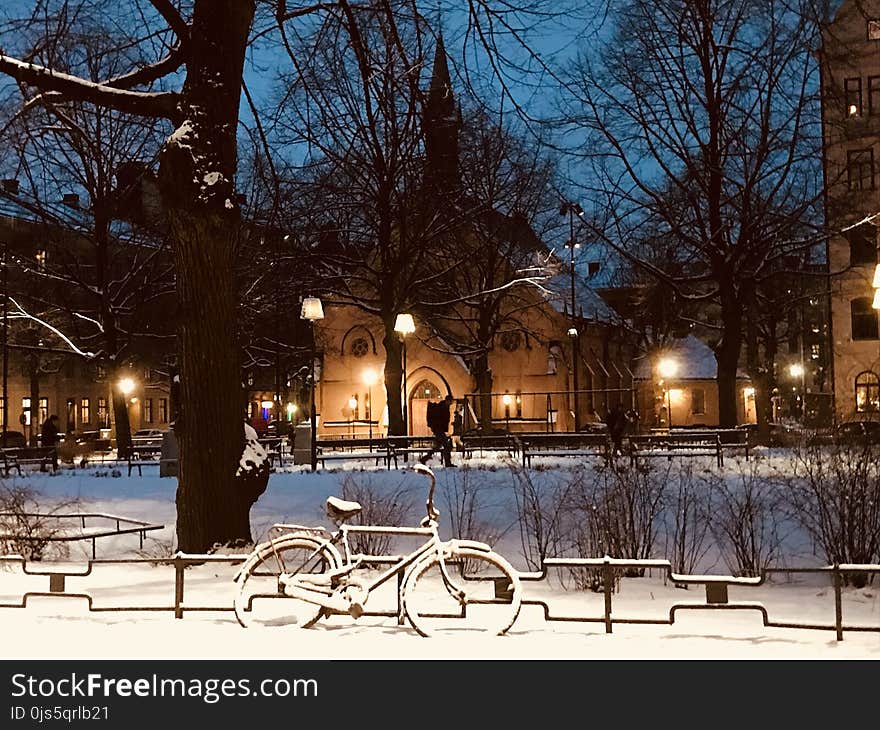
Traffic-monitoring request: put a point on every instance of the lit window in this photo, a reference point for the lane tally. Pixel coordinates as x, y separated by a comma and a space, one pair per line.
25, 412
41, 257
163, 410
148, 410
44, 409
85, 410
852, 93
867, 392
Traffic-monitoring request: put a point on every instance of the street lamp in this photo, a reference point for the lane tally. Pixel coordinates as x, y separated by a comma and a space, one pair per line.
667, 368
571, 209
126, 386
370, 378
506, 400
312, 311
404, 325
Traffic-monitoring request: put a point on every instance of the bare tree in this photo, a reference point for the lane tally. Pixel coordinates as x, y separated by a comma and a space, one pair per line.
702, 121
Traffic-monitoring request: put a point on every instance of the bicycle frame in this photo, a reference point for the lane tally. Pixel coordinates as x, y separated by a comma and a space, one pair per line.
306, 586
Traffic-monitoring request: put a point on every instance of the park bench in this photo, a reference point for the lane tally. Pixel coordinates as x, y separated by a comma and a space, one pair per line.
473, 443
353, 449
14, 458
141, 455
401, 447
564, 444
696, 443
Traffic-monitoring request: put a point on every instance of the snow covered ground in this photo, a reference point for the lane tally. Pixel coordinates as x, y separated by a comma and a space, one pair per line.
64, 628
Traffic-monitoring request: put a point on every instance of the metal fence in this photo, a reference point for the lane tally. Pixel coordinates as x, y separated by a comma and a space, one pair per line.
607, 569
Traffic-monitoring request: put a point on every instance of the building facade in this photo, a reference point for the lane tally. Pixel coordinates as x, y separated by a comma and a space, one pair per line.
850, 80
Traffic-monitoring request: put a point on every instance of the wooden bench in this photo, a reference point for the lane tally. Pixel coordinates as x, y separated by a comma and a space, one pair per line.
353, 449
564, 444
14, 458
696, 443
140, 455
402, 446
491, 443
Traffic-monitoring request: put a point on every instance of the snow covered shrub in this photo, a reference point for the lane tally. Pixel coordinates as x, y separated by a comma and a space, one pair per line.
687, 518
29, 526
382, 505
835, 496
746, 509
541, 503
617, 512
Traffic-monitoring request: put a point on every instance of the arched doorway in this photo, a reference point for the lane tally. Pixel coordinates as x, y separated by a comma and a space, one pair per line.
424, 391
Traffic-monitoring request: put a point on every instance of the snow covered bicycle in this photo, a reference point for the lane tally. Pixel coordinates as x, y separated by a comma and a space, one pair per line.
444, 586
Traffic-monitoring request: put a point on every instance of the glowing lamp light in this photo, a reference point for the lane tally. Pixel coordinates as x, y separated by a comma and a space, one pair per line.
749, 392
876, 303
853, 110
371, 377
267, 404
796, 370
312, 309
404, 324
291, 408
675, 394
876, 282
353, 402
572, 332
126, 386
667, 367
506, 399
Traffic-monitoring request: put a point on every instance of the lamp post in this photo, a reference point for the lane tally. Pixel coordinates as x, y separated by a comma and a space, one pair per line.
572, 209
667, 368
796, 370
312, 310
370, 379
5, 341
506, 400
404, 325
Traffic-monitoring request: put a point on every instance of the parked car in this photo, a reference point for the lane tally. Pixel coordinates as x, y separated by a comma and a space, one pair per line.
859, 432
148, 437
15, 440
779, 433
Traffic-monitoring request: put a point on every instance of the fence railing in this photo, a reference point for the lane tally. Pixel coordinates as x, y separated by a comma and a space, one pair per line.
608, 569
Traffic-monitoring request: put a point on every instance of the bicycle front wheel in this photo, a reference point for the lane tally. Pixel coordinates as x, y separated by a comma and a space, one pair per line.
491, 601
260, 599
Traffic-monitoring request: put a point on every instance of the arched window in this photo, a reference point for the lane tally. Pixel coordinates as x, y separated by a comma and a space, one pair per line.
427, 390
862, 244
864, 319
867, 392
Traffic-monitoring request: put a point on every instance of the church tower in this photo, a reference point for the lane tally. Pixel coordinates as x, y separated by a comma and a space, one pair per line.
441, 124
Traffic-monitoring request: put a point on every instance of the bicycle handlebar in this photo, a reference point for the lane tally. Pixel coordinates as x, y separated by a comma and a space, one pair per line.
433, 514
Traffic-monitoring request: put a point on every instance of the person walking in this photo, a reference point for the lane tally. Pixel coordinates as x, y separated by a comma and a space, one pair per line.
617, 422
438, 415
49, 438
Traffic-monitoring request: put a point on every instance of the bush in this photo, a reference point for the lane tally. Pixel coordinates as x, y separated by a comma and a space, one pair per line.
29, 526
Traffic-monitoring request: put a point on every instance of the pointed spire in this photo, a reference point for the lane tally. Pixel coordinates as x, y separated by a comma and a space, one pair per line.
441, 125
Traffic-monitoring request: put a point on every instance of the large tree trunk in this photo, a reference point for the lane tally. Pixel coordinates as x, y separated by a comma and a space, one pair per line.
727, 357
393, 379
484, 383
197, 175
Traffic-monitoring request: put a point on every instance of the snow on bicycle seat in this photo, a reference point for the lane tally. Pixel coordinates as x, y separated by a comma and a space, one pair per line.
340, 510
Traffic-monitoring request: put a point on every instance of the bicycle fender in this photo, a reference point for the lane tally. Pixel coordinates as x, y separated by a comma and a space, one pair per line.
472, 544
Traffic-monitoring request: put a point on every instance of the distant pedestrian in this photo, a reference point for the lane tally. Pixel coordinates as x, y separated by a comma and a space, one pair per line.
49, 438
438, 415
617, 421
457, 429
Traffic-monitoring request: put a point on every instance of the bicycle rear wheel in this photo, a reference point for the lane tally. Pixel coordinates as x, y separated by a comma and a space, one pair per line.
259, 598
493, 594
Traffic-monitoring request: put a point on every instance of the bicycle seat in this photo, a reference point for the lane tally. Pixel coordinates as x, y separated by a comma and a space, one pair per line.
339, 510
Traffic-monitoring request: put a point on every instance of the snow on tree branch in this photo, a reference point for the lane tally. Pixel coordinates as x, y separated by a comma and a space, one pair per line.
21, 313
143, 103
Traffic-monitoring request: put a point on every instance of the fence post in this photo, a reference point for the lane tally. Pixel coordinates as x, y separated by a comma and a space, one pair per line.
178, 586
608, 584
838, 603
